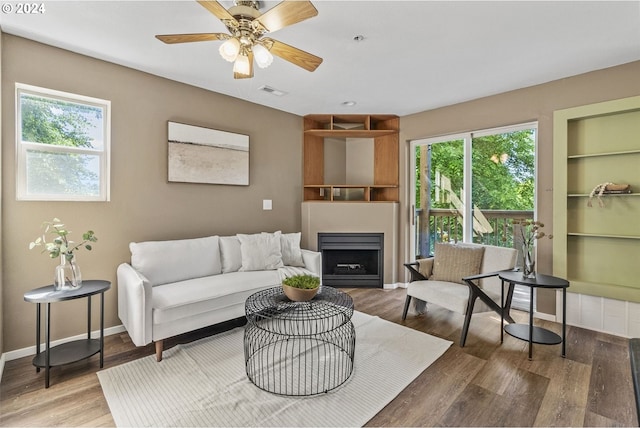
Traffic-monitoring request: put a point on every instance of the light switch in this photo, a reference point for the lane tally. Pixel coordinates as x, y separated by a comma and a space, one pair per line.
266, 204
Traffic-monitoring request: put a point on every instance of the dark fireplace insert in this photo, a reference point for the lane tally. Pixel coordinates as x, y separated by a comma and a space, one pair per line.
352, 259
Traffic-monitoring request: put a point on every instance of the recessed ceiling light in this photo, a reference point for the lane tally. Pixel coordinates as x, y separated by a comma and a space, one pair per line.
358, 38
349, 103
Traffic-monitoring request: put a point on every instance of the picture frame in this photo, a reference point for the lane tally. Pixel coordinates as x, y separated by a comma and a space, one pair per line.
204, 155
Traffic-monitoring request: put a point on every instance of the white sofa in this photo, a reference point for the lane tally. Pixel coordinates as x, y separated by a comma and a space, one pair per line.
173, 287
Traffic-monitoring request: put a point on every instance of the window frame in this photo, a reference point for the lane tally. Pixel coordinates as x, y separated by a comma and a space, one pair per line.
467, 138
22, 147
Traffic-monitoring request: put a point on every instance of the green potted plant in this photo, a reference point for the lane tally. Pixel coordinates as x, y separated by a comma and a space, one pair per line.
301, 288
67, 276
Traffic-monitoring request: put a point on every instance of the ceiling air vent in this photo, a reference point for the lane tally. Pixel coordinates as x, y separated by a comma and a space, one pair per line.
272, 91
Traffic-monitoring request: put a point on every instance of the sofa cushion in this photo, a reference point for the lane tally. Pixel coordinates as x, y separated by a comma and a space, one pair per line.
175, 301
496, 259
453, 262
287, 271
163, 262
260, 251
230, 254
290, 248
452, 296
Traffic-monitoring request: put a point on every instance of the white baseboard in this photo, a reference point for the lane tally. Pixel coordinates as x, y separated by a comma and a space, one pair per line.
395, 285
31, 350
545, 316
2, 360
617, 317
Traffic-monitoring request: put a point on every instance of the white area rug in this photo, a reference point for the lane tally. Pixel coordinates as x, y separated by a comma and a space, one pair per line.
204, 383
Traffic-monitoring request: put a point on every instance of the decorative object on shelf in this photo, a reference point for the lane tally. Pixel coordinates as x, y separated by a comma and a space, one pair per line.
67, 274
301, 288
607, 189
530, 230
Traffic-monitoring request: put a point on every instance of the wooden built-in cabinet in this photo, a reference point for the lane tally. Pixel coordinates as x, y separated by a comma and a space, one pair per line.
382, 129
598, 248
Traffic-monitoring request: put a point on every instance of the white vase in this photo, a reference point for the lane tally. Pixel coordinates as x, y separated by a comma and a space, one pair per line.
67, 276
528, 262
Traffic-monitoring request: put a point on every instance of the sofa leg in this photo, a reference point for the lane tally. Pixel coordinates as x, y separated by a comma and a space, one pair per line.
159, 347
406, 307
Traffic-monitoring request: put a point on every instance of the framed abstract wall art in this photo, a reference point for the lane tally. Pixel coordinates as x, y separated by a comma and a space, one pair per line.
204, 155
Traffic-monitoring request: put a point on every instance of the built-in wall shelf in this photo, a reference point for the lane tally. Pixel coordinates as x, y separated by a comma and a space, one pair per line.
604, 195
595, 155
600, 235
596, 247
351, 133
347, 192
381, 175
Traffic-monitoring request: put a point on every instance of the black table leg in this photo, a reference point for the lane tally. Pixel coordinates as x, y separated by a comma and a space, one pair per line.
88, 317
38, 333
564, 321
47, 338
531, 326
502, 312
101, 330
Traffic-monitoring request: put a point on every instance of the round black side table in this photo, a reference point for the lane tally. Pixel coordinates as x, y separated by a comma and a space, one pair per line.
531, 333
76, 350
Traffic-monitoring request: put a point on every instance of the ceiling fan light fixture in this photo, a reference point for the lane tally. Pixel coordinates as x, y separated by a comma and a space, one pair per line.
230, 49
247, 27
242, 66
262, 56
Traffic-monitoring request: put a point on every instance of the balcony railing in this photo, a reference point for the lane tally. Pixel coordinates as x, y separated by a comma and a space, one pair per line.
490, 227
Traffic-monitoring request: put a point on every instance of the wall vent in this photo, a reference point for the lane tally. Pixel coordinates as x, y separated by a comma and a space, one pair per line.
272, 91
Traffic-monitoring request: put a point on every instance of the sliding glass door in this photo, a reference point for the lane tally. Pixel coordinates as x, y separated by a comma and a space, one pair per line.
470, 187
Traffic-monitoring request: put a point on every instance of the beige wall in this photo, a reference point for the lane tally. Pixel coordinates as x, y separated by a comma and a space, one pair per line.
143, 206
524, 105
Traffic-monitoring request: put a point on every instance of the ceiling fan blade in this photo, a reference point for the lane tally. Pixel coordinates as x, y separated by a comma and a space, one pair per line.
217, 9
287, 13
242, 75
186, 38
293, 55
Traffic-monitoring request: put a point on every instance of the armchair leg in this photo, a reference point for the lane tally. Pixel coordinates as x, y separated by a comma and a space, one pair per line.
467, 319
159, 348
507, 305
406, 307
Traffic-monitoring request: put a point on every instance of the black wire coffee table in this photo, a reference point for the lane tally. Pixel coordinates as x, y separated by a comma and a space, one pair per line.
299, 348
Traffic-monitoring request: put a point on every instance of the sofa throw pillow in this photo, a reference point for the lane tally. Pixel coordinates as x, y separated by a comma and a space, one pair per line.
230, 254
290, 248
260, 251
163, 262
453, 262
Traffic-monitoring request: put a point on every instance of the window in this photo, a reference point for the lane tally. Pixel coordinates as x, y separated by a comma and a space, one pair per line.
62, 148
471, 187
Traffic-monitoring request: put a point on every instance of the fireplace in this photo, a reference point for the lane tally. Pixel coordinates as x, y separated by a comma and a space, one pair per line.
352, 259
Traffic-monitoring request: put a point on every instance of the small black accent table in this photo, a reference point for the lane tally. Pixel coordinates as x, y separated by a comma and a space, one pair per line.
531, 333
76, 350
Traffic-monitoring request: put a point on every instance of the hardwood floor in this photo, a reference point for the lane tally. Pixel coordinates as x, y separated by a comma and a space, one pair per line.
483, 384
